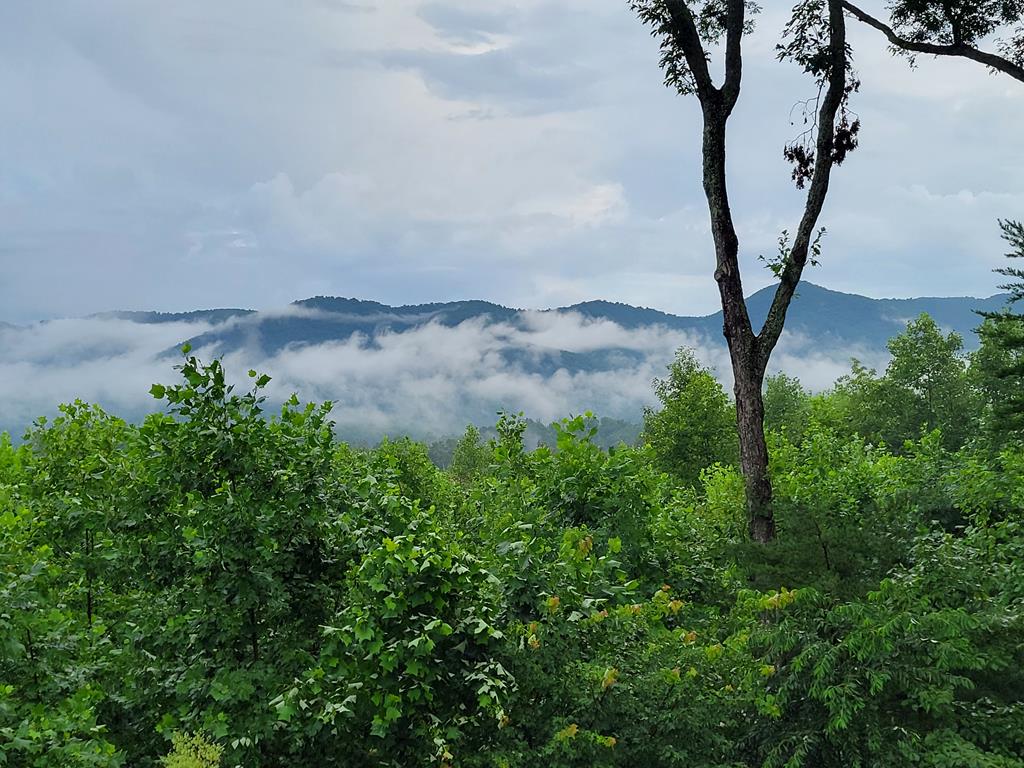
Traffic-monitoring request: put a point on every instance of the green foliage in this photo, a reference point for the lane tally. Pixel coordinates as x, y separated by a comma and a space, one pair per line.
696, 426
997, 368
49, 655
192, 751
471, 457
787, 406
999, 363
927, 385
407, 464
923, 671
406, 668
237, 523
220, 571
846, 513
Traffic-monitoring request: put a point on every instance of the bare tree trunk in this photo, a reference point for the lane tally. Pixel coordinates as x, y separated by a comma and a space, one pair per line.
754, 451
749, 352
748, 362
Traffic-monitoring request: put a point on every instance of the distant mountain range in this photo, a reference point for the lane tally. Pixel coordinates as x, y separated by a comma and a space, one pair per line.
429, 369
823, 317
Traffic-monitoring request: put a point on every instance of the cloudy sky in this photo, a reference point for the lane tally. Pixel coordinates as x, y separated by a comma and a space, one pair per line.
251, 152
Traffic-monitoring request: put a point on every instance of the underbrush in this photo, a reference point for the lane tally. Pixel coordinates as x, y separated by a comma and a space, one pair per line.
286, 600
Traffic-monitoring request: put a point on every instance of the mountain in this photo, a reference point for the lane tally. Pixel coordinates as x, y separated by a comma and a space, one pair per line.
429, 369
324, 318
197, 315
827, 316
822, 317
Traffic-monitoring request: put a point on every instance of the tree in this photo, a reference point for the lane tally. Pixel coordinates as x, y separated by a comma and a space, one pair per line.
471, 455
953, 28
695, 426
787, 406
237, 525
1000, 361
927, 385
815, 39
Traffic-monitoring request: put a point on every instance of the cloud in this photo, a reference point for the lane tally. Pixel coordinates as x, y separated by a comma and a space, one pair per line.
107, 361
428, 381
245, 154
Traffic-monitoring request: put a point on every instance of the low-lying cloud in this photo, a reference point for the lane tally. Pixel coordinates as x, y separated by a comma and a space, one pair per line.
428, 381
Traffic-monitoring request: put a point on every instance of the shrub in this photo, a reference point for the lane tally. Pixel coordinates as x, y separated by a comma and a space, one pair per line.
192, 751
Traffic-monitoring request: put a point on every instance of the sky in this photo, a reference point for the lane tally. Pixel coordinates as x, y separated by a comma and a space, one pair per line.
249, 153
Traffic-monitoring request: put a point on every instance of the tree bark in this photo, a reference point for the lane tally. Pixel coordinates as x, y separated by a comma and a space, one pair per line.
749, 378
749, 352
748, 364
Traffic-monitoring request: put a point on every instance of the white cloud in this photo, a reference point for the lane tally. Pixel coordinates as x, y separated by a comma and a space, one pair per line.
431, 380
108, 361
237, 153
593, 207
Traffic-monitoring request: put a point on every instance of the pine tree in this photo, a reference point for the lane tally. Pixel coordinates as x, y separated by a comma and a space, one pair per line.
1002, 337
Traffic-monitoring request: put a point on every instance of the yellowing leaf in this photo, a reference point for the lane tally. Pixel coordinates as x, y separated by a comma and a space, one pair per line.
611, 676
569, 732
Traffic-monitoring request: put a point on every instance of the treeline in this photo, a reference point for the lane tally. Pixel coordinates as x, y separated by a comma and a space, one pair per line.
216, 586
930, 383
610, 433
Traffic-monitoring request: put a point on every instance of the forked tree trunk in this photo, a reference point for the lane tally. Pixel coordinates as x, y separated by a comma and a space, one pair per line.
749, 352
745, 349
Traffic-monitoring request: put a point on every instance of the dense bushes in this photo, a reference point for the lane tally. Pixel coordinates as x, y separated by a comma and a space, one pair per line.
264, 596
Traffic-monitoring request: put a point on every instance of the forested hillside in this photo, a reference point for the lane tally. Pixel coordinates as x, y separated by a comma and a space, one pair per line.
445, 364
223, 586
826, 317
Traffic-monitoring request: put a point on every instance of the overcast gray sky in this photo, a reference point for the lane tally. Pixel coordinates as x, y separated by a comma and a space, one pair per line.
251, 152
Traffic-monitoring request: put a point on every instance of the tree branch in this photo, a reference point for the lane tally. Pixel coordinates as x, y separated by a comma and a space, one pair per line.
684, 29
733, 53
960, 50
717, 105
830, 105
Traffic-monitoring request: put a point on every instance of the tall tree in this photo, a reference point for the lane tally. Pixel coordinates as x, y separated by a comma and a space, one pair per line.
953, 28
787, 406
926, 386
1002, 350
815, 39
694, 427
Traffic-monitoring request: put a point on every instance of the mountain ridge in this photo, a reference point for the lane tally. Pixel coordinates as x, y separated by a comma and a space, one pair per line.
821, 316
828, 316
432, 368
